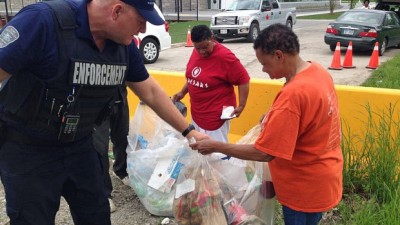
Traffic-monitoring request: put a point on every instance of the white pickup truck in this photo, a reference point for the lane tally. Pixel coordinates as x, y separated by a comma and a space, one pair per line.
245, 18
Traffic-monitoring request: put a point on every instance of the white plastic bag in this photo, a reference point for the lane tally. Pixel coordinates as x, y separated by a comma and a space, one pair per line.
147, 129
152, 174
156, 155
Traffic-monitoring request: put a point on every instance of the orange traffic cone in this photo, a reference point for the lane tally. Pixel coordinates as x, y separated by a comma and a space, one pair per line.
336, 65
189, 39
374, 60
348, 58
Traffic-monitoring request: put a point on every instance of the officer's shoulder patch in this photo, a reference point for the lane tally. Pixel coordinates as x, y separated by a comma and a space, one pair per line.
8, 36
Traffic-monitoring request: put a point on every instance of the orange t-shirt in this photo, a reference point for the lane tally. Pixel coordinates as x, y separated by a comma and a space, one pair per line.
302, 130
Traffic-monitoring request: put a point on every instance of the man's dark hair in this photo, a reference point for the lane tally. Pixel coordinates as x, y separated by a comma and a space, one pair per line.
277, 37
201, 33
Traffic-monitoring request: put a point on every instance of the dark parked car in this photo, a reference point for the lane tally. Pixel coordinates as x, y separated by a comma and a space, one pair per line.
365, 27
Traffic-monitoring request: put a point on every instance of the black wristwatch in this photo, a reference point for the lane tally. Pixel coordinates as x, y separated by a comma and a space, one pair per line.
187, 130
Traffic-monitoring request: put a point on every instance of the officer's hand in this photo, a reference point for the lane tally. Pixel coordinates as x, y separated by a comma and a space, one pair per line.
195, 136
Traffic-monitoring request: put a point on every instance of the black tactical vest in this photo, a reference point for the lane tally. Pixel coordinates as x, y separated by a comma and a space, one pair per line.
85, 76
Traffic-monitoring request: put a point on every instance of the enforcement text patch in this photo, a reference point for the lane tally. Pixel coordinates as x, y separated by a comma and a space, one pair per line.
97, 74
8, 36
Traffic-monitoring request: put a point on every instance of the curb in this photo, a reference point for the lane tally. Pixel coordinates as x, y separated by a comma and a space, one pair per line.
177, 45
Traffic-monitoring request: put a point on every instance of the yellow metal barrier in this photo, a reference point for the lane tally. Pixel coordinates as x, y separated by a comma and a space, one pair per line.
352, 101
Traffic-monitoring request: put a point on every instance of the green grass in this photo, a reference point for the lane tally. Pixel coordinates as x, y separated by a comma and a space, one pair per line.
387, 75
371, 171
179, 30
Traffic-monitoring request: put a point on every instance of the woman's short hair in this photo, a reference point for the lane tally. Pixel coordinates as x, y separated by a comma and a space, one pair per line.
277, 37
200, 33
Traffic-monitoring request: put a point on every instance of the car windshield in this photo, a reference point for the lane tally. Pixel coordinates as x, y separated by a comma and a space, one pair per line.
361, 17
244, 5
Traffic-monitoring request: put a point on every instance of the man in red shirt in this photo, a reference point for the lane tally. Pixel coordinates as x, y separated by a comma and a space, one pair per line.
301, 132
211, 73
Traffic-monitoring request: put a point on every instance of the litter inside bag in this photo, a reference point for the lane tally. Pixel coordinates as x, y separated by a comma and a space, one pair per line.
198, 196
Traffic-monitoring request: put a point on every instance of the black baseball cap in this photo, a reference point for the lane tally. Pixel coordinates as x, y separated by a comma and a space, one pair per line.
146, 9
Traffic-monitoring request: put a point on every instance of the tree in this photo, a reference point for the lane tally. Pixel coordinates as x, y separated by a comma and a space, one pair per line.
332, 6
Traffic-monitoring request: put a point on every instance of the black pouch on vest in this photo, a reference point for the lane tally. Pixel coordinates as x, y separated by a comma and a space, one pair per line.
22, 96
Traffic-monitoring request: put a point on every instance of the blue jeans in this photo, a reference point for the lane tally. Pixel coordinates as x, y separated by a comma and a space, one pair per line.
293, 217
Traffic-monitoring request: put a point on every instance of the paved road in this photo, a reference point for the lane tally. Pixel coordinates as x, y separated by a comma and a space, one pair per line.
312, 48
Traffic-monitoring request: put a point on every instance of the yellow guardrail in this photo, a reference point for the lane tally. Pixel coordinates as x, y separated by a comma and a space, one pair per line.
352, 102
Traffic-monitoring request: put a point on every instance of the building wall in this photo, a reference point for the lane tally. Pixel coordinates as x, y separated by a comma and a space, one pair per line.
169, 5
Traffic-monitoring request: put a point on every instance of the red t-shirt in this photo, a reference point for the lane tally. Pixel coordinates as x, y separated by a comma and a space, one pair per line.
210, 84
302, 130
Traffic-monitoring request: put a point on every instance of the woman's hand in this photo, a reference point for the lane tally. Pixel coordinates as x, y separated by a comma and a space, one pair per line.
237, 111
204, 147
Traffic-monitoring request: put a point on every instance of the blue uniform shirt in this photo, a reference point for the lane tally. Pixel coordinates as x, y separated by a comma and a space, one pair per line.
29, 42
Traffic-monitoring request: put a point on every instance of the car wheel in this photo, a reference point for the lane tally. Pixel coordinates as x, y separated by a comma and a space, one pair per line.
150, 50
382, 47
289, 23
253, 32
220, 40
332, 47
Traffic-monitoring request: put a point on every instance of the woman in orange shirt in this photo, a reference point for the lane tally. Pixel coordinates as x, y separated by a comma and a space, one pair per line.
301, 132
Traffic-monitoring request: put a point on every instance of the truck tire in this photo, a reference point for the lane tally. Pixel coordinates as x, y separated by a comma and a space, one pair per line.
220, 40
253, 32
289, 23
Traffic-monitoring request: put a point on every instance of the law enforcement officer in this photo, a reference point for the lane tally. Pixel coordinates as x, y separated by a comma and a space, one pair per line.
64, 61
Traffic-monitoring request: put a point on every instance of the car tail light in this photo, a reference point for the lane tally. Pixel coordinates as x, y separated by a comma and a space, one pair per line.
371, 33
331, 30
166, 25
